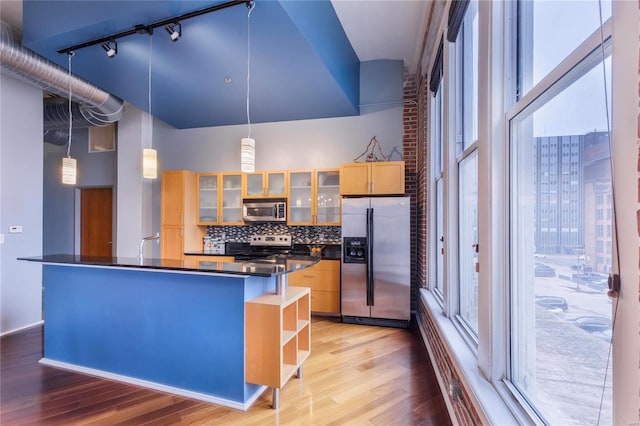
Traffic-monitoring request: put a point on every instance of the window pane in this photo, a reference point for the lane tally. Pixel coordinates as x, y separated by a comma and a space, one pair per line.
466, 76
546, 35
436, 131
468, 239
561, 316
440, 237
470, 74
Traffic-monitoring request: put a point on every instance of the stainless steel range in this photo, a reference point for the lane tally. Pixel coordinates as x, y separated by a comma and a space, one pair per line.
265, 246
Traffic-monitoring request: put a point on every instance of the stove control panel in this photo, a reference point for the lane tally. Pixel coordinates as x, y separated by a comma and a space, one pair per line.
270, 240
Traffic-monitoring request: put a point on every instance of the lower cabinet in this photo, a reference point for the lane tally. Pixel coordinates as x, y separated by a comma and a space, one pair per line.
323, 279
277, 337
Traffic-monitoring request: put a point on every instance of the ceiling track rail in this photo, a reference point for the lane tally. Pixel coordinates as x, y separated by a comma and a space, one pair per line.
148, 29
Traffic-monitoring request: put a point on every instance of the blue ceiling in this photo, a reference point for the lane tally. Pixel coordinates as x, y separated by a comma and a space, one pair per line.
302, 64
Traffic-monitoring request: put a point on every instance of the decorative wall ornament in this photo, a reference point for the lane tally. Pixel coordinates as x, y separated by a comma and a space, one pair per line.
369, 154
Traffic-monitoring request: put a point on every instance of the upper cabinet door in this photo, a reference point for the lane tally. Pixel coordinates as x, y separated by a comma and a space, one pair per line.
208, 198
301, 198
387, 178
232, 198
354, 179
276, 184
328, 197
172, 197
254, 184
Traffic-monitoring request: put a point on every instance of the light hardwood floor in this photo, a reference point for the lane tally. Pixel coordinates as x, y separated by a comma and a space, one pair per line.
356, 375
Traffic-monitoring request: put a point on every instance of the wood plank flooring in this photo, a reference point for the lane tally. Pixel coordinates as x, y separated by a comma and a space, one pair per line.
356, 375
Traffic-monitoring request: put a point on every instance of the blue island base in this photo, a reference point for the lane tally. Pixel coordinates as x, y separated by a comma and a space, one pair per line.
174, 331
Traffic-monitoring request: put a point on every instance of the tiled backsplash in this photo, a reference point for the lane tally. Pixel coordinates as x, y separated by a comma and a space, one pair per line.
299, 234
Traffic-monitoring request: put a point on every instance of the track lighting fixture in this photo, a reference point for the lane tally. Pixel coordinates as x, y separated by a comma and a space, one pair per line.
174, 30
111, 47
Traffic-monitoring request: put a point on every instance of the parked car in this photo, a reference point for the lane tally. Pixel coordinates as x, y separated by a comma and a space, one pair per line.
593, 323
553, 303
542, 270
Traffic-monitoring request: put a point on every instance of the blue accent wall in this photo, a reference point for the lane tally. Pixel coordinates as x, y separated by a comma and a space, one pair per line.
179, 330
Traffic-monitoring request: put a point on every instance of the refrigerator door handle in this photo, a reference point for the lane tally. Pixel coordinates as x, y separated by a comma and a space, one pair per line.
370, 301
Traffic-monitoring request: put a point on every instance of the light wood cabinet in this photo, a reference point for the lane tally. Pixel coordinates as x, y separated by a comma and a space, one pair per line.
323, 279
265, 184
277, 337
314, 197
219, 199
178, 229
208, 199
377, 178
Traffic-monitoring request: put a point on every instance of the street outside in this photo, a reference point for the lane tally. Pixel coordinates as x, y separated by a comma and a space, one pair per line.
571, 361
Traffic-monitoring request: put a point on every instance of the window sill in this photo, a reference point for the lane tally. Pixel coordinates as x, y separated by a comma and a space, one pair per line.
487, 399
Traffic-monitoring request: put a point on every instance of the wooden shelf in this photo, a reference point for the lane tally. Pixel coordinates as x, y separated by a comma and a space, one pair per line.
278, 336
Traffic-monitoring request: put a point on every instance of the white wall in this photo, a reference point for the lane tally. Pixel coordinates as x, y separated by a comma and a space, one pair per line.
626, 341
21, 171
134, 194
95, 169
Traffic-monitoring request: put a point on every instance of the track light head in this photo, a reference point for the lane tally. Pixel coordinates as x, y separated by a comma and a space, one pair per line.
174, 31
111, 47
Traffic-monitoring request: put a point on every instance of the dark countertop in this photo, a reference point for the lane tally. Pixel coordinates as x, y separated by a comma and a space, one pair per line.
329, 251
265, 267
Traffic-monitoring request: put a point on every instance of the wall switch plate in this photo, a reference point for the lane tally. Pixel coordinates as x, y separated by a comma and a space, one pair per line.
1, 238
15, 229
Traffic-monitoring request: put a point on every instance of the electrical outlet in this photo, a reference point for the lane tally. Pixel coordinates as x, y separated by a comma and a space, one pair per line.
15, 229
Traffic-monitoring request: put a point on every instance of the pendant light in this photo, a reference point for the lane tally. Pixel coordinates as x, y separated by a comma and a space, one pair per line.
68, 163
248, 145
149, 155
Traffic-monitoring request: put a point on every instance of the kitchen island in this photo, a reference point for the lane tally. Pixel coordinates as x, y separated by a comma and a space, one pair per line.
171, 325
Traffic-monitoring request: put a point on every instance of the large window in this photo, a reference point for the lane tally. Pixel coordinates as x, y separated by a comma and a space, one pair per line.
438, 161
560, 177
467, 163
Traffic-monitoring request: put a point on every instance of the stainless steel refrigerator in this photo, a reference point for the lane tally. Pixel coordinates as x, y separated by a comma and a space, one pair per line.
376, 258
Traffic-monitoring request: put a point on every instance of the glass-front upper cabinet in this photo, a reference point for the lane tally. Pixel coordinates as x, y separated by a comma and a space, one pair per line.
301, 205
328, 197
207, 199
265, 184
232, 198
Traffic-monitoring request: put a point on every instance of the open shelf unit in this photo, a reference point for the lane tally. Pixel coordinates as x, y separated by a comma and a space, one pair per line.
278, 336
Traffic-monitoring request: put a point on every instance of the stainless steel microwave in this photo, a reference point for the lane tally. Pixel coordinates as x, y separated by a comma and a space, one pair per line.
264, 210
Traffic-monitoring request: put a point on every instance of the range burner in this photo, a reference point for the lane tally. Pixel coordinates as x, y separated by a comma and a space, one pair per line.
265, 246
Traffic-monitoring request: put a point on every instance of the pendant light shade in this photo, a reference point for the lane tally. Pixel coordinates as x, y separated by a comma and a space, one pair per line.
149, 163
248, 155
248, 145
69, 171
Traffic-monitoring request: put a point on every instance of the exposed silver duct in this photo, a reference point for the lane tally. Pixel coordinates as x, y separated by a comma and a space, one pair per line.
93, 106
56, 137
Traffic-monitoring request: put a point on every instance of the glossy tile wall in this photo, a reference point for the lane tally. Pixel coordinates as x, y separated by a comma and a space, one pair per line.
299, 234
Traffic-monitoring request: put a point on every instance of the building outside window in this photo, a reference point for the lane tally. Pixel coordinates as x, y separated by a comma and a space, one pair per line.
560, 175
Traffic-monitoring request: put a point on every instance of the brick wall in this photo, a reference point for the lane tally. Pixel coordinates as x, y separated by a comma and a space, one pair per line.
410, 126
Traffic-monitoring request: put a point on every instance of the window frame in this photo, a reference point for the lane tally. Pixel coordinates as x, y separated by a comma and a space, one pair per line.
580, 61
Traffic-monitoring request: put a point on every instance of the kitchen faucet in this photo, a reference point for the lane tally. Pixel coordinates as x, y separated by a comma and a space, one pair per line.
144, 240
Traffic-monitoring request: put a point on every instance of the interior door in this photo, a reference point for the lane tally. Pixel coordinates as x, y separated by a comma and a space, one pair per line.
96, 221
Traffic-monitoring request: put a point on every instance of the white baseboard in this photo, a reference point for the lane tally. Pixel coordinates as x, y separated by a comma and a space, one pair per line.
155, 386
25, 327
